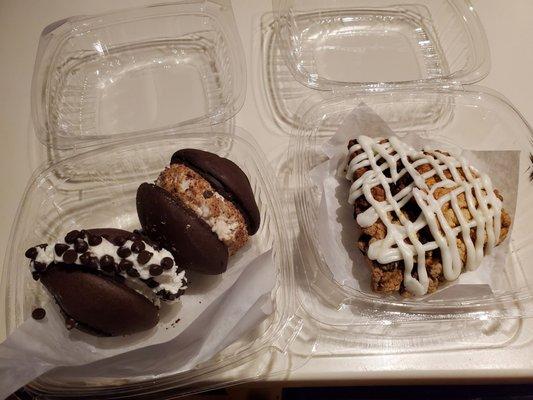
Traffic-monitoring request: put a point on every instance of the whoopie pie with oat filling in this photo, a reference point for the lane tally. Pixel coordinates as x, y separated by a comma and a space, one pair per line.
201, 208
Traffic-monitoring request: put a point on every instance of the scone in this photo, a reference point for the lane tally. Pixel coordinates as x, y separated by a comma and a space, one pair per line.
201, 208
425, 216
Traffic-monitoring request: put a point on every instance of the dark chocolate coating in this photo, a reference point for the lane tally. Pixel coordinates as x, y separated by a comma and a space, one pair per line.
98, 302
226, 178
166, 221
110, 233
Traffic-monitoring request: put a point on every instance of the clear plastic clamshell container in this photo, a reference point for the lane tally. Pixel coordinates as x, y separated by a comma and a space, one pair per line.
411, 63
121, 92
54, 204
472, 118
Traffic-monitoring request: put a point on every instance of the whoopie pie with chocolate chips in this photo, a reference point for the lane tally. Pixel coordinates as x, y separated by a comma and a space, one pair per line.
201, 208
108, 282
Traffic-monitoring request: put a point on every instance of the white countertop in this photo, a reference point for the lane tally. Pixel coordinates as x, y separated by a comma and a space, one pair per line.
508, 27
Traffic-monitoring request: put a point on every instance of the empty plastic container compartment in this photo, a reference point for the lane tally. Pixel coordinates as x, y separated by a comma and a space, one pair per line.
137, 72
354, 43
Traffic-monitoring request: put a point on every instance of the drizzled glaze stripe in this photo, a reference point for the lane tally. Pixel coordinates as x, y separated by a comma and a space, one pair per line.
400, 159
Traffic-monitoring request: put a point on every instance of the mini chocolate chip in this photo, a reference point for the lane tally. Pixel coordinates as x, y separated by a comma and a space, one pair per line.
208, 194
35, 275
81, 246
137, 246
170, 296
133, 272
123, 252
151, 283
144, 257
85, 258
83, 234
135, 237
38, 313
155, 269
70, 323
89, 260
60, 248
106, 259
94, 240
31, 253
70, 256
119, 241
72, 236
167, 263
124, 265
107, 263
39, 266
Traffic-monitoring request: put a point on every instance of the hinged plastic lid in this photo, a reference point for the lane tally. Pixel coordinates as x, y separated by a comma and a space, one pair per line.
137, 72
369, 44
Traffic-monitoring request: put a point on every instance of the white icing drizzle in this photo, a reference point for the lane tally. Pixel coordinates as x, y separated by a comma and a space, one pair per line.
401, 241
169, 280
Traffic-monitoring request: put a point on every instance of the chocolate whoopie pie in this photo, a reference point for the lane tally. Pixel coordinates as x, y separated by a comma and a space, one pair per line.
108, 282
201, 208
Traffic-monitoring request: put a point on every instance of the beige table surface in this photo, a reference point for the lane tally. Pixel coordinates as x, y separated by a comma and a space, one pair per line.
509, 30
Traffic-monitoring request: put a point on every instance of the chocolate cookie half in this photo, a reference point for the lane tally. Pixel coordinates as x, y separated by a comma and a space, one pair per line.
167, 220
108, 281
201, 208
99, 304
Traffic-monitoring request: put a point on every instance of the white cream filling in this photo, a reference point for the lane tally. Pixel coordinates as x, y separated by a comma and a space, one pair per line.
169, 279
225, 228
184, 185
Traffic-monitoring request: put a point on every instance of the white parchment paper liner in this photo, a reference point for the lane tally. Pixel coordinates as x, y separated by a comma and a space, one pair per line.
211, 317
338, 233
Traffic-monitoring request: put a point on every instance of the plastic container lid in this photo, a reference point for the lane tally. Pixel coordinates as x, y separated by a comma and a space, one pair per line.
137, 73
353, 44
